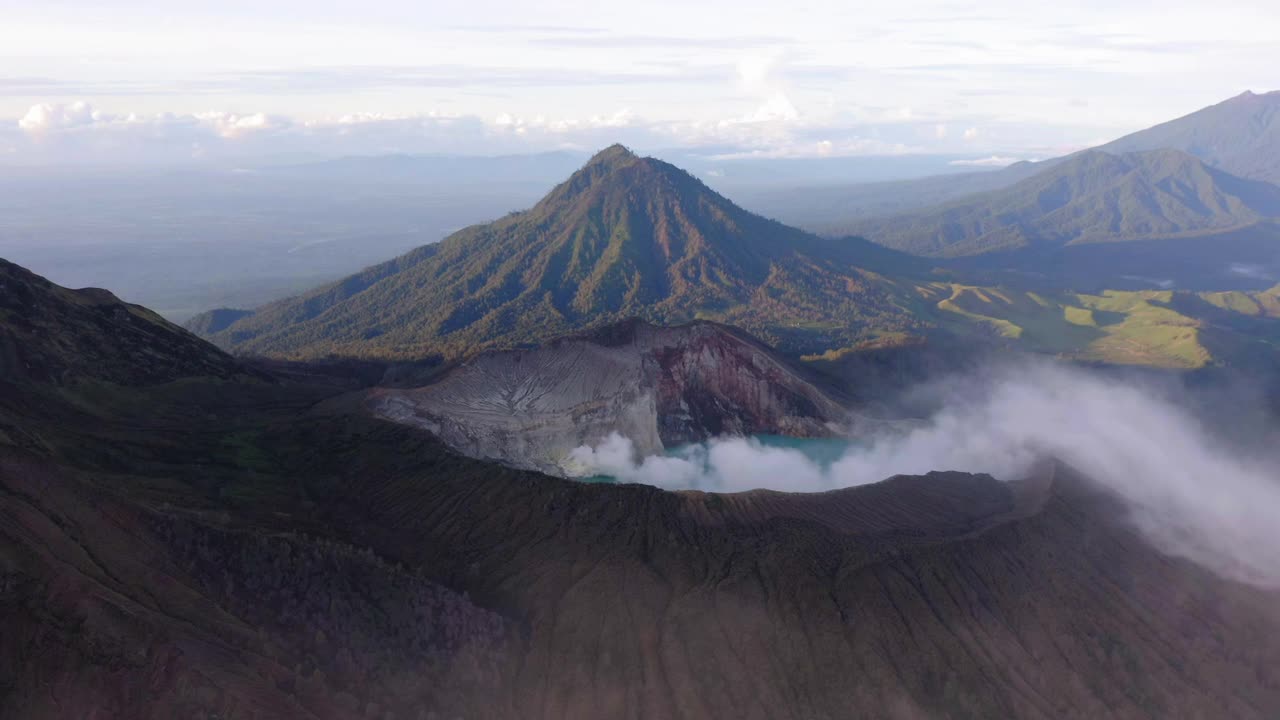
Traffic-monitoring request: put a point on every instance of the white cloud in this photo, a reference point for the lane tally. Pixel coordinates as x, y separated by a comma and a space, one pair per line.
231, 126
991, 161
1060, 69
971, 133
51, 119
777, 108
47, 117
759, 73
1192, 496
1252, 271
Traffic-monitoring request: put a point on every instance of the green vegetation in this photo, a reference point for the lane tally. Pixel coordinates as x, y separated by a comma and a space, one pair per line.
1156, 328
635, 237
623, 237
1240, 135
1090, 197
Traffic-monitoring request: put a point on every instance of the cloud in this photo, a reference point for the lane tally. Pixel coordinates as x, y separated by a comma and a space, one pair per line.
777, 108
504, 29
353, 79
991, 161
1191, 495
349, 79
759, 72
1252, 271
662, 41
1162, 283
773, 128
77, 132
44, 117
230, 125
971, 133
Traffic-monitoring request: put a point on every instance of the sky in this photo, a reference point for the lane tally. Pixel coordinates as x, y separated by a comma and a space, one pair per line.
172, 81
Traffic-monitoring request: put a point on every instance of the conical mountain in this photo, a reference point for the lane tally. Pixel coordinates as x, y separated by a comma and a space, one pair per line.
623, 236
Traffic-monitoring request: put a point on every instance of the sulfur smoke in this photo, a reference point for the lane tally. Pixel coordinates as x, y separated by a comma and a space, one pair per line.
1190, 493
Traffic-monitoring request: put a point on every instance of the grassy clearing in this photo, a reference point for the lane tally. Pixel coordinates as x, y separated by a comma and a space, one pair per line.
1150, 327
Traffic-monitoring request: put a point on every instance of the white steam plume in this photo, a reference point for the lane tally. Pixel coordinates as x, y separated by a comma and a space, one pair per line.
1193, 496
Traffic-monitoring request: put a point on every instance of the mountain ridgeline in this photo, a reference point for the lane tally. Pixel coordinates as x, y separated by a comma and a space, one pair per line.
633, 237
625, 236
1240, 135
1091, 197
53, 334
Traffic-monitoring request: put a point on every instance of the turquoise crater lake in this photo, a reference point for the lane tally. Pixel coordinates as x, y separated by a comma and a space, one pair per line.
821, 452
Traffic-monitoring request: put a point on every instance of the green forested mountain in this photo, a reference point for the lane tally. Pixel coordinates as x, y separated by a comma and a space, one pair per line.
636, 237
624, 236
1092, 197
1240, 135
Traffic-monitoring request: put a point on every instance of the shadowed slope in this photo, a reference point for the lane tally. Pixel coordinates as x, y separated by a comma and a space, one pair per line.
50, 333
943, 596
245, 549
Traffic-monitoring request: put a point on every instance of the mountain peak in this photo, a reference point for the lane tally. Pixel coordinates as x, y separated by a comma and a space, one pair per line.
1251, 96
614, 151
612, 158
624, 236
603, 164
1240, 135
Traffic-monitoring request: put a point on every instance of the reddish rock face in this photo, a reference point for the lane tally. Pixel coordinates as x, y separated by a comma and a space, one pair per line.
657, 386
713, 382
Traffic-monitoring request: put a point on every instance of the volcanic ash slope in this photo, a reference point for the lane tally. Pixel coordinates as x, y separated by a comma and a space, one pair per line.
657, 386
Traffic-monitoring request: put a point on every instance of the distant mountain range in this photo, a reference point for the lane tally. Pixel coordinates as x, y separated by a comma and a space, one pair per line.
1090, 197
623, 237
1240, 136
1190, 203
628, 237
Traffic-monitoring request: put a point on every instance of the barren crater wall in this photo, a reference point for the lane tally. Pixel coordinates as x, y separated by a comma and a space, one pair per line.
657, 386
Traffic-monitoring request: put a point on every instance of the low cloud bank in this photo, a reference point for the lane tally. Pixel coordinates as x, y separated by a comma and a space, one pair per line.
1193, 496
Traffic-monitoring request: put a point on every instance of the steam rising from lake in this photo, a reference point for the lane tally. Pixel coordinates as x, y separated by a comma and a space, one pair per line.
1190, 494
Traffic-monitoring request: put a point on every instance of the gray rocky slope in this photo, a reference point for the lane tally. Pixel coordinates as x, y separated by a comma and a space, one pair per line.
658, 387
